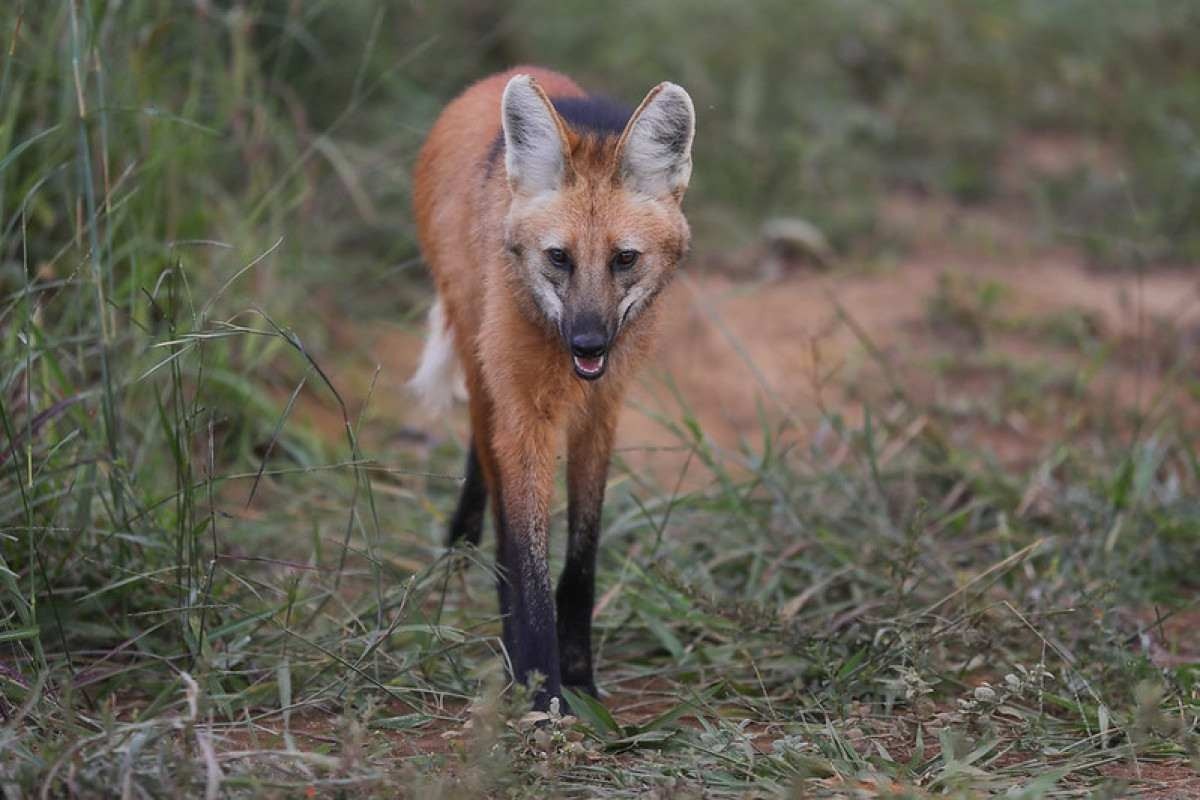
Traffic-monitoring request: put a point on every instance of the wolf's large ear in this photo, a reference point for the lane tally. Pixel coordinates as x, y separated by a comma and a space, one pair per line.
535, 139
656, 147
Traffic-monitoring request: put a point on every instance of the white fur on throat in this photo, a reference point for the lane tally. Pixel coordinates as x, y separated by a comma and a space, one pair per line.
439, 380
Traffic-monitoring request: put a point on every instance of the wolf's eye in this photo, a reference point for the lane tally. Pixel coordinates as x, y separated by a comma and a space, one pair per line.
624, 259
559, 257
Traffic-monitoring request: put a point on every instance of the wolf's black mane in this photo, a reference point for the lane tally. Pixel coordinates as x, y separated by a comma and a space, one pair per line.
593, 114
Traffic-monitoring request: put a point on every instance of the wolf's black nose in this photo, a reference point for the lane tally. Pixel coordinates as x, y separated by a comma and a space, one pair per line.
589, 344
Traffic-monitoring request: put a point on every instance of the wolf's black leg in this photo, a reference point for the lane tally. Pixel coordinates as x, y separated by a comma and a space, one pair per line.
467, 523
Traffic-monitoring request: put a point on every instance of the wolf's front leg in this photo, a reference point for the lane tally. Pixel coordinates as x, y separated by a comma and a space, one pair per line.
589, 445
525, 457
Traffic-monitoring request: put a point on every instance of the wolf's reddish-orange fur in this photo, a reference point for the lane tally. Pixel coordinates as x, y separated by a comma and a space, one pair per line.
525, 396
460, 218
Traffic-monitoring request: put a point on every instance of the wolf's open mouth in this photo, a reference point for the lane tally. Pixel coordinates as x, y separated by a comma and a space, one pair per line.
589, 367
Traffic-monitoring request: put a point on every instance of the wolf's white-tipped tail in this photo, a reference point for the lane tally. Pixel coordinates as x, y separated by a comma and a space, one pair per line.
439, 379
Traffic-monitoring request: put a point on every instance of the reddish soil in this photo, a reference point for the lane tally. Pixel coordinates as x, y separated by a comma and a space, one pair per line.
1170, 639
1168, 780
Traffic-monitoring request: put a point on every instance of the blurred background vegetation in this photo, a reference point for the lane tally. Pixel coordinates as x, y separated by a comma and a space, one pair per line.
191, 193
311, 112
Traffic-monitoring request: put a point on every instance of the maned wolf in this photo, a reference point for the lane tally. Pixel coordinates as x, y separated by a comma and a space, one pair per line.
550, 220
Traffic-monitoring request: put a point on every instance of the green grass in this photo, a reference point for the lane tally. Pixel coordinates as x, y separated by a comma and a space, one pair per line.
200, 593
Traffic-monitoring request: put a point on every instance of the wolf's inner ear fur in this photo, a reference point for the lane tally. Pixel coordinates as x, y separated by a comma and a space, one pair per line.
535, 150
656, 147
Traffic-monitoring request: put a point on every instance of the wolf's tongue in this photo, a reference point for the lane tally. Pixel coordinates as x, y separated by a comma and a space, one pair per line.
589, 364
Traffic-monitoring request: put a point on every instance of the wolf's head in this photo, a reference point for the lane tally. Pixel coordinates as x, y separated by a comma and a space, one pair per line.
595, 229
